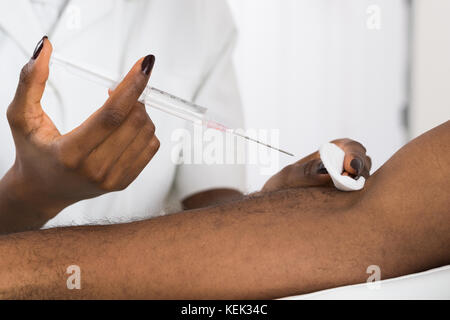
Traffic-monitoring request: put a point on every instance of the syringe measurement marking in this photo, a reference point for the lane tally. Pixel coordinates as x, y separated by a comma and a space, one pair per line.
196, 106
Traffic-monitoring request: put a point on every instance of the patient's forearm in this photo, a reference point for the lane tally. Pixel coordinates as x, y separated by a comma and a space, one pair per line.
254, 248
275, 245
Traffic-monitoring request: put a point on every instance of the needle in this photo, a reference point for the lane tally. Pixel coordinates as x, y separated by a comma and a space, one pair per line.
262, 143
158, 99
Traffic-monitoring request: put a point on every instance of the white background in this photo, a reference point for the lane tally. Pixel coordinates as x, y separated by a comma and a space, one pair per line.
314, 70
430, 65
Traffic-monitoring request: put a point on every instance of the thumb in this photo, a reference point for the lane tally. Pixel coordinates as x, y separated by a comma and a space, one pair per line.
33, 78
356, 164
309, 174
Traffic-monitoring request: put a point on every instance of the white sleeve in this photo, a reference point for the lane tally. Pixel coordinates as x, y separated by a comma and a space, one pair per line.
219, 92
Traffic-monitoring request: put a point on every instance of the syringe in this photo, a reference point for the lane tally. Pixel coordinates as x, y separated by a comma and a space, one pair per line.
158, 99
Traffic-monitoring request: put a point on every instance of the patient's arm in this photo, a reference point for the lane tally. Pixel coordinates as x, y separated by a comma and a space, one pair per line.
274, 245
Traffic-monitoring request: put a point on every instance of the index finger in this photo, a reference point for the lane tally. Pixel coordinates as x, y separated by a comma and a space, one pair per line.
113, 113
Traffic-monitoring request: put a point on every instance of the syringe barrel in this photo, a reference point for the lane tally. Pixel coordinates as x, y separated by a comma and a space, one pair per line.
87, 73
152, 97
169, 103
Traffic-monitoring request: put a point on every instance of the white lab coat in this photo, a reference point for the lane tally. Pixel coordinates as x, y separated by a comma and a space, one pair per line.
192, 41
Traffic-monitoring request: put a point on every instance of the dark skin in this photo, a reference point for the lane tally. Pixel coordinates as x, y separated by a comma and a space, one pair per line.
104, 154
210, 198
272, 245
52, 171
307, 172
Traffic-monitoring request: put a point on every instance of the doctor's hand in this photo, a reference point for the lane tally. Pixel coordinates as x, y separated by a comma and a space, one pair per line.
310, 171
52, 171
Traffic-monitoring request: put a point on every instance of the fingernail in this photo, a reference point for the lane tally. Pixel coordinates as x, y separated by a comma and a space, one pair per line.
38, 48
357, 165
321, 169
147, 64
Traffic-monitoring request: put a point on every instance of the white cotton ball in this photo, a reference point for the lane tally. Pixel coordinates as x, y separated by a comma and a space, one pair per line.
333, 159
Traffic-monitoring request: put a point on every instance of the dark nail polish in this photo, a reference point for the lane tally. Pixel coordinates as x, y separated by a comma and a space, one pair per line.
38, 48
147, 64
357, 165
321, 169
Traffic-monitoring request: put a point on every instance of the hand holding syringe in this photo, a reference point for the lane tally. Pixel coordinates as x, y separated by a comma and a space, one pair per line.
160, 100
